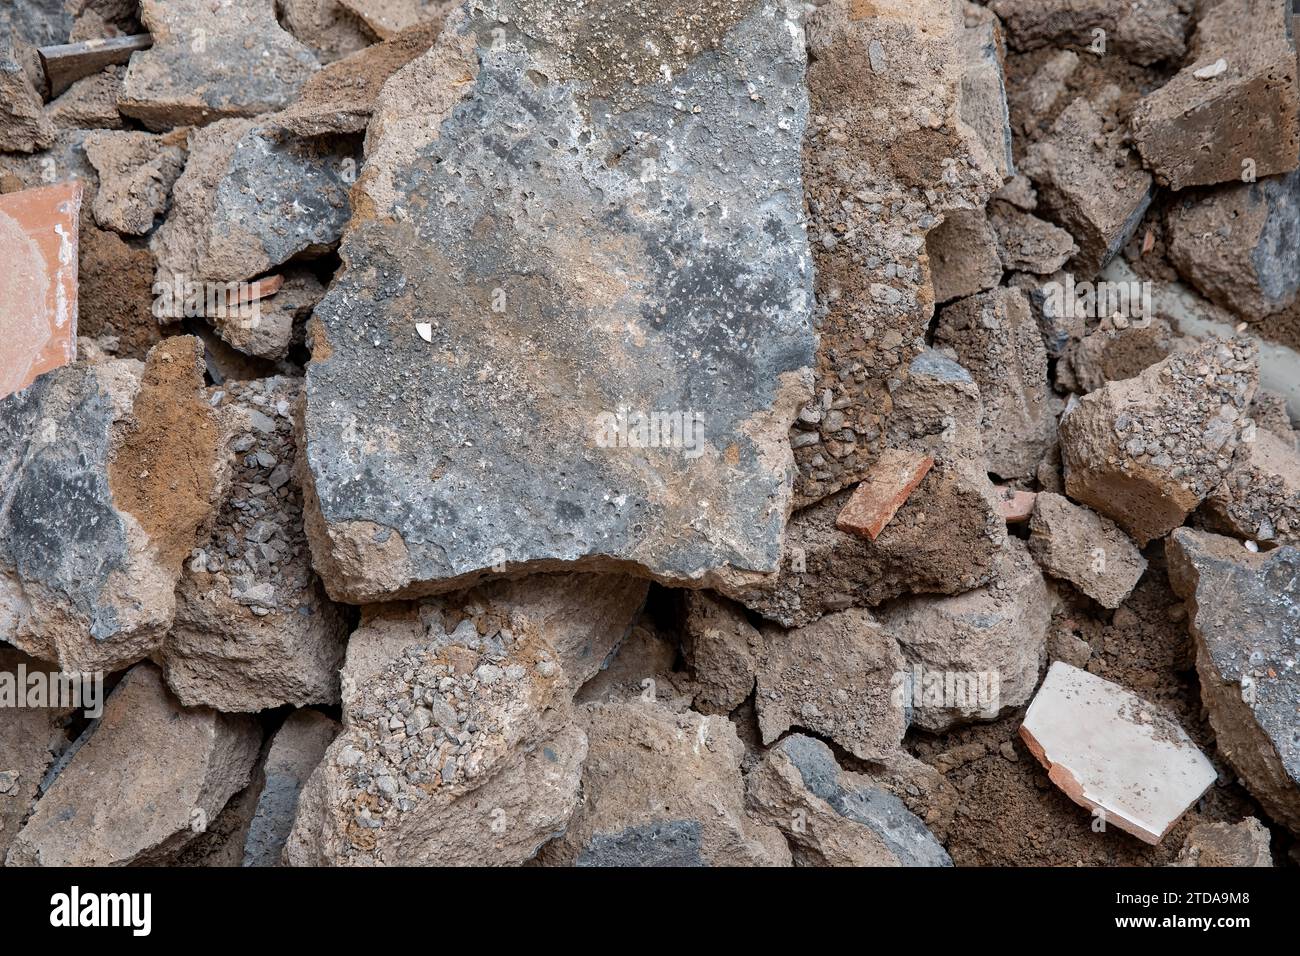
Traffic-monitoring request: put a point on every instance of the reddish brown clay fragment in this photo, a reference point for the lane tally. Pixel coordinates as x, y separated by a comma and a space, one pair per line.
893, 478
1014, 506
38, 285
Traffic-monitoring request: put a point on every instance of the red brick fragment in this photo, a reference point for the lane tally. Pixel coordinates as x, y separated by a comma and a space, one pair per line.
1014, 506
892, 480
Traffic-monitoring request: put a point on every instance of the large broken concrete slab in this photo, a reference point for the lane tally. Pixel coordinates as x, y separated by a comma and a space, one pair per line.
697, 319
832, 817
1146, 451
1244, 614
1112, 752
114, 468
212, 61
254, 628
1213, 125
150, 778
663, 789
39, 233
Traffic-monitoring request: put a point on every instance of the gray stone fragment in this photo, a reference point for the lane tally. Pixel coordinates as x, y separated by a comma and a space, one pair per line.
670, 843
211, 61
296, 749
487, 403
1244, 614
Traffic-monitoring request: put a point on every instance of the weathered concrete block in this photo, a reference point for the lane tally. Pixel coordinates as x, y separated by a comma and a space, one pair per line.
1259, 498
1028, 244
147, 781
1211, 126
833, 817
1085, 548
212, 62
721, 648
1146, 451
523, 459
1244, 614
114, 470
136, 173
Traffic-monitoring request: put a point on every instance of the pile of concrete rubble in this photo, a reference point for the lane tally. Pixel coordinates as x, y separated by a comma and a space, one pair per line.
650, 432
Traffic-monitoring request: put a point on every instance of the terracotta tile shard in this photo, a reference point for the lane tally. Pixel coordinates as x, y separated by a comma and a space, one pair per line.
1114, 753
876, 500
38, 286
1014, 506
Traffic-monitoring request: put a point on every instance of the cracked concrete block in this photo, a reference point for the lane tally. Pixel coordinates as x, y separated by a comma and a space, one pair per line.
1110, 354
836, 677
254, 628
832, 817
39, 235
984, 92
136, 173
1237, 244
1205, 124
115, 468
1244, 616
525, 460
888, 155
963, 255
1259, 499
1085, 548
975, 655
996, 338
1089, 184
1026, 243
296, 750
147, 781
663, 789
721, 648
1112, 752
1146, 451
251, 198
210, 62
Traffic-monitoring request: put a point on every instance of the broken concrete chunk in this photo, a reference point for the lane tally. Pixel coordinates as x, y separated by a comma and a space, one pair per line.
342, 96
210, 62
328, 27
1146, 451
977, 654
832, 817
984, 93
31, 738
115, 470
1244, 615
838, 678
720, 646
24, 127
251, 198
37, 22
1085, 548
151, 776
963, 255
1112, 752
254, 628
1089, 184
1029, 244
1237, 244
889, 156
663, 789
454, 748
39, 233
1259, 499
267, 327
386, 18
1205, 127
1031, 24
1226, 844
996, 338
592, 472
893, 478
296, 750
1111, 354
90, 103
136, 172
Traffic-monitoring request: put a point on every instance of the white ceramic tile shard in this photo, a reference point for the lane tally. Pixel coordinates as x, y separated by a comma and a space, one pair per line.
1110, 750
